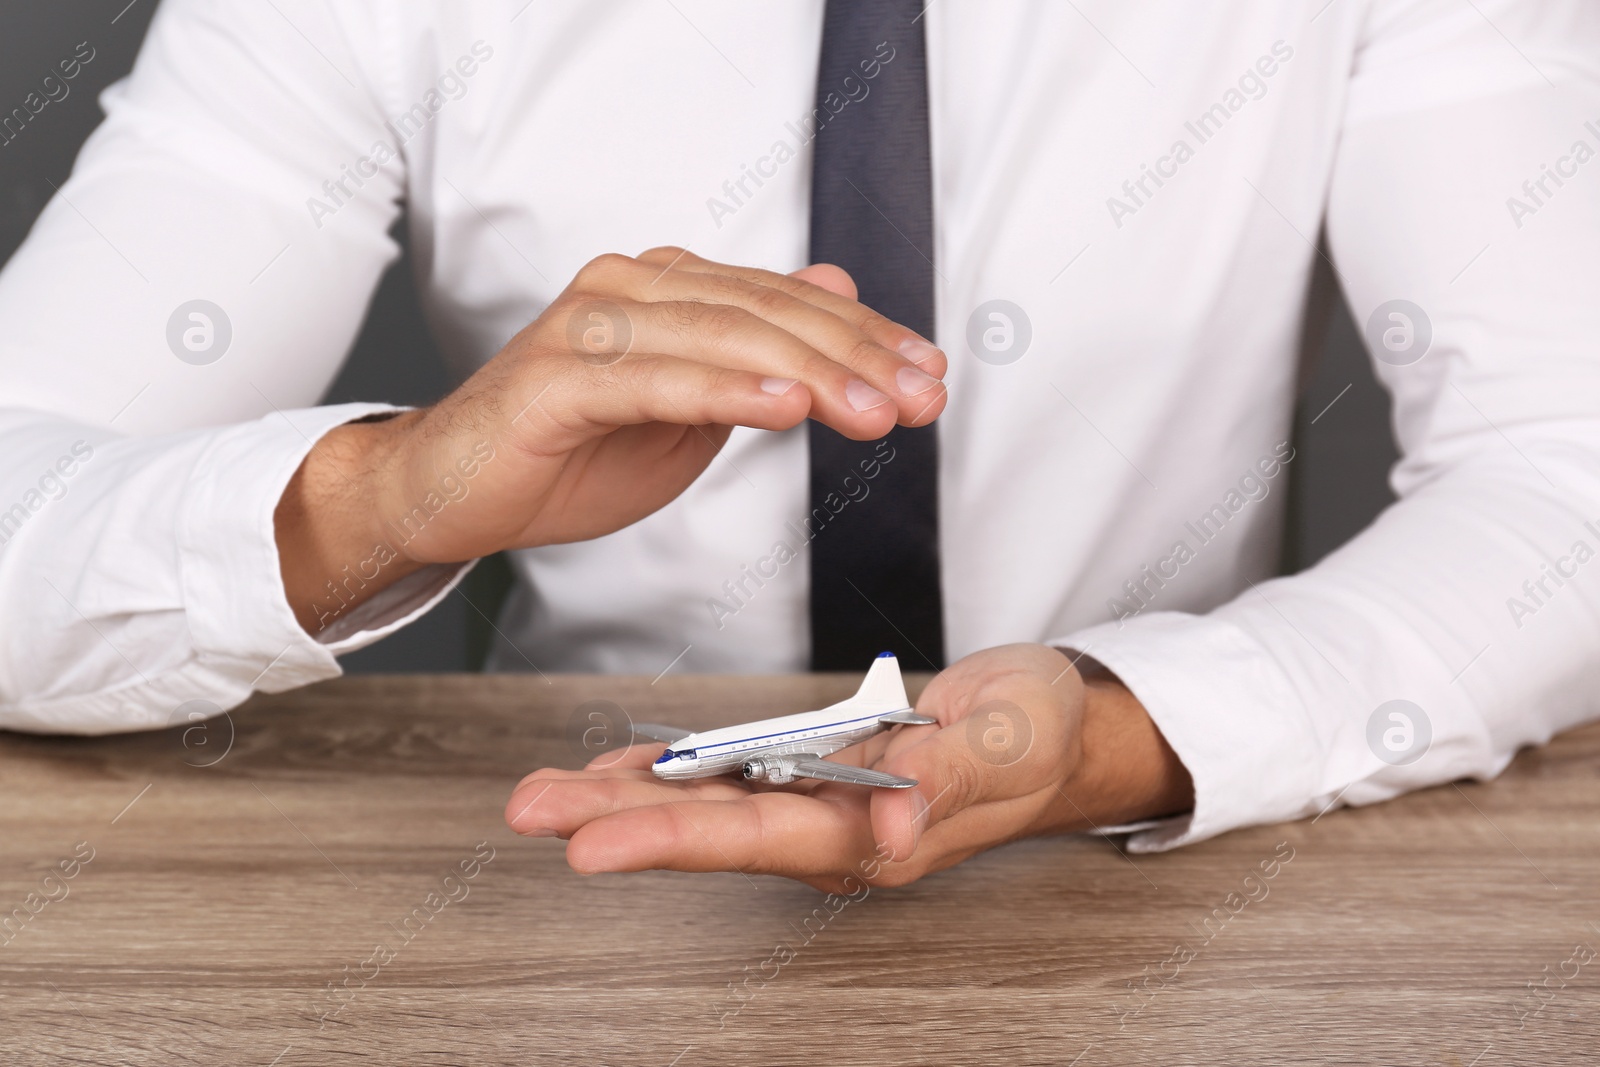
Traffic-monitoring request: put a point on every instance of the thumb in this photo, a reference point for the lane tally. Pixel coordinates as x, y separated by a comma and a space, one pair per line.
829, 277
971, 761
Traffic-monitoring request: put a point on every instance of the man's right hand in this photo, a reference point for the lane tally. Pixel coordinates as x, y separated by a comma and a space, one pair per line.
601, 411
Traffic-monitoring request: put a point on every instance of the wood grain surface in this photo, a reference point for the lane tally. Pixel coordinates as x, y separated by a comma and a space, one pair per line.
242, 872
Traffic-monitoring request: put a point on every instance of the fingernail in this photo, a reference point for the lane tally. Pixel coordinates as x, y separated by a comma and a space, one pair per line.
862, 396
918, 351
542, 831
778, 386
911, 381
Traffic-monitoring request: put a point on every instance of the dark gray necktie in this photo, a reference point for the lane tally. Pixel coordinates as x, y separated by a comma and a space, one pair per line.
875, 557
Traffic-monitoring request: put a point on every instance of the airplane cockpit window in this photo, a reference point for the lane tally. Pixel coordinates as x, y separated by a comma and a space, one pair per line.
665, 756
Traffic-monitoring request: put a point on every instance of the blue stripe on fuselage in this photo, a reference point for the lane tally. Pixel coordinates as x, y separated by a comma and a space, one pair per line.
781, 733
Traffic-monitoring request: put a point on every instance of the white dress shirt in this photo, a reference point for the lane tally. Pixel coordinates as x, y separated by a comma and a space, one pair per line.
1146, 182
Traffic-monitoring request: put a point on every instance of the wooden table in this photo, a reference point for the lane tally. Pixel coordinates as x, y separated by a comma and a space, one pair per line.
221, 901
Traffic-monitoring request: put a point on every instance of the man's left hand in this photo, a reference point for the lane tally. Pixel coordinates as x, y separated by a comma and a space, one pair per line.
1025, 745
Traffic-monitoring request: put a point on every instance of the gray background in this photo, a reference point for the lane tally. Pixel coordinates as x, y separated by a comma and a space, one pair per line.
1338, 476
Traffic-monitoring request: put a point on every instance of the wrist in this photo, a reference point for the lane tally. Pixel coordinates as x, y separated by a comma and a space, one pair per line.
333, 549
1126, 771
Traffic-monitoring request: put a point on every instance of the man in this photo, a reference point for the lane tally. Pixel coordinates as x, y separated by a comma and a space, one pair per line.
1105, 214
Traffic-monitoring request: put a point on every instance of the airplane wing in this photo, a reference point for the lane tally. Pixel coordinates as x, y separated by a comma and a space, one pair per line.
828, 771
665, 734
908, 717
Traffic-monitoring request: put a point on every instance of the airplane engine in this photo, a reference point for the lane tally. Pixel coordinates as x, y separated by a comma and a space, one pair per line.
774, 769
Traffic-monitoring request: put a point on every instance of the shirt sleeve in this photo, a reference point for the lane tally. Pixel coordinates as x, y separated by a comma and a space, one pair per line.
1464, 623
184, 298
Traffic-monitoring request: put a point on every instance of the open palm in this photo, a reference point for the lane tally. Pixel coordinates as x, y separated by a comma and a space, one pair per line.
992, 771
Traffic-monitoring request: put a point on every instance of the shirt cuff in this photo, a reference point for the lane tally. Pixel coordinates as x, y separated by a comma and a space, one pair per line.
236, 607
1226, 709
395, 607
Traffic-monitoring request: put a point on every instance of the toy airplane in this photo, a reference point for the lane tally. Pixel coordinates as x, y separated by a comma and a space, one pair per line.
793, 746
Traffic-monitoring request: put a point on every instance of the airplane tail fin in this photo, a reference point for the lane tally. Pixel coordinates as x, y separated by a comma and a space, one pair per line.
882, 687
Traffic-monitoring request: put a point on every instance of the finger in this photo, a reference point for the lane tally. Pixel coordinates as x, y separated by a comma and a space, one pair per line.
636, 757
767, 833
558, 803
828, 276
834, 279
728, 337
592, 773
567, 403
994, 754
819, 284
918, 396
